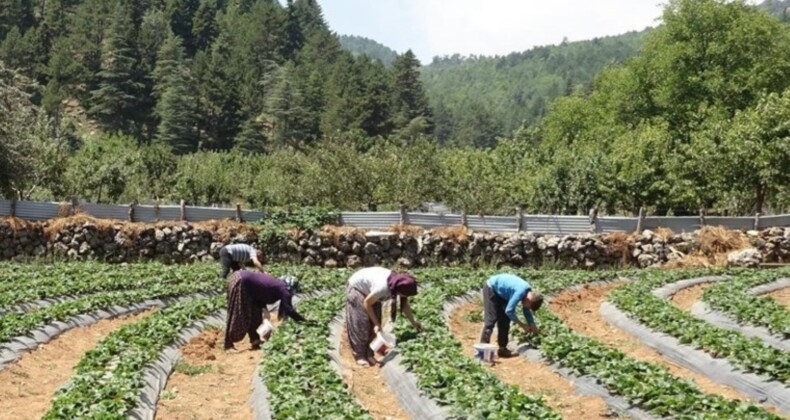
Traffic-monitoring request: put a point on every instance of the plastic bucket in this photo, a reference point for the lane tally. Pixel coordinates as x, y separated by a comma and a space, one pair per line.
485, 352
265, 329
382, 343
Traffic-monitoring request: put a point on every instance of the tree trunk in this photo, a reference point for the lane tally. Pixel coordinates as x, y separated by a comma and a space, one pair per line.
759, 199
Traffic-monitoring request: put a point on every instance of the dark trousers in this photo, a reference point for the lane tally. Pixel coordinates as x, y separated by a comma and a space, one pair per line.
228, 265
494, 314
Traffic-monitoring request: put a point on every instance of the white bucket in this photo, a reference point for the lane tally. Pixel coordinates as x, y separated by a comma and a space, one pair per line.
485, 352
265, 329
382, 343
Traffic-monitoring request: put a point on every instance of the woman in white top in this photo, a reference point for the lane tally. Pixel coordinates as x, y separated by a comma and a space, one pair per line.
366, 290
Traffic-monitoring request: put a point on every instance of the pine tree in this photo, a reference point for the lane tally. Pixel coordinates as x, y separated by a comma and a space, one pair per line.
114, 103
409, 100
218, 105
176, 107
86, 38
62, 73
204, 24
181, 13
294, 37
16, 14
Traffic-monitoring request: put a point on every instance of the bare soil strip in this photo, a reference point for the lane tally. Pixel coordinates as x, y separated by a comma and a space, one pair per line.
686, 298
210, 383
368, 385
781, 296
535, 379
27, 386
579, 310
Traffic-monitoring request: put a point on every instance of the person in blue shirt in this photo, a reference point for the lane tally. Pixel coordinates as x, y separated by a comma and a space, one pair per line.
501, 294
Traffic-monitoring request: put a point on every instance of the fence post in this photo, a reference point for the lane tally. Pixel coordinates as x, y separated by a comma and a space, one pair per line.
75, 203
156, 210
238, 213
131, 210
183, 211
641, 221
702, 213
402, 213
757, 221
464, 221
13, 207
520, 215
594, 220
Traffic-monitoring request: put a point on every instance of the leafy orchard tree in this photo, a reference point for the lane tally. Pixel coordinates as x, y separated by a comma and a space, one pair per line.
101, 168
756, 153
34, 147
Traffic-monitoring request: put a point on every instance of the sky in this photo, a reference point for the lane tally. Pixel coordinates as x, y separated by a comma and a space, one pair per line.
485, 27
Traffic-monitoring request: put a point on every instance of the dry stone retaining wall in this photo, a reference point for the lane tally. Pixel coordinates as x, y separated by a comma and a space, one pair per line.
184, 242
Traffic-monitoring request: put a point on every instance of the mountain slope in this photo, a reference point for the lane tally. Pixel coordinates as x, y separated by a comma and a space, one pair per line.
359, 45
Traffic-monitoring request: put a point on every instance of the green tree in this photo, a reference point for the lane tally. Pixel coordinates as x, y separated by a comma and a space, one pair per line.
408, 96
756, 153
34, 147
176, 106
101, 168
204, 24
115, 101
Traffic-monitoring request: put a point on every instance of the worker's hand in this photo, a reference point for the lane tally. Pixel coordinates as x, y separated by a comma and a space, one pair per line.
531, 329
376, 329
417, 326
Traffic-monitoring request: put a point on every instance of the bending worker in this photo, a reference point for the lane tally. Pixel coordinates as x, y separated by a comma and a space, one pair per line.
234, 257
249, 293
365, 291
501, 294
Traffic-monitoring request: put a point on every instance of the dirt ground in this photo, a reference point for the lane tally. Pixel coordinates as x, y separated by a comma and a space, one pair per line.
535, 379
781, 296
579, 310
369, 386
27, 387
686, 298
210, 383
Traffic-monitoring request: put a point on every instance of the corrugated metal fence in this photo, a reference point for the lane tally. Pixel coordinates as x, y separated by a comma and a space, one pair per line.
33, 210
545, 224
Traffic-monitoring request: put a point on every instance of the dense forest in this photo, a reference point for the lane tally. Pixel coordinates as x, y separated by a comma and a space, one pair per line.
359, 45
219, 101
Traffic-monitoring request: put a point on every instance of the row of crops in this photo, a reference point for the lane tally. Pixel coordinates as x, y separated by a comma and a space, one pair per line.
302, 383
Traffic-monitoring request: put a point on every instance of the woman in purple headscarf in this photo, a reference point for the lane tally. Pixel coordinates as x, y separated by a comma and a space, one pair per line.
366, 290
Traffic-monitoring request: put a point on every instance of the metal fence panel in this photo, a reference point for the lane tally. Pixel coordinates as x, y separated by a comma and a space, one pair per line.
676, 224
432, 220
106, 211
740, 223
5, 207
556, 225
771, 221
31, 210
200, 214
493, 223
617, 224
367, 220
252, 215
147, 214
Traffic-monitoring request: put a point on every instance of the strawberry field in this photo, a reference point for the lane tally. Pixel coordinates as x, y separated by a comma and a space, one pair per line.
727, 358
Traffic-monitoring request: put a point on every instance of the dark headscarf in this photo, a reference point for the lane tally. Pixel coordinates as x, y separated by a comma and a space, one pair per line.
400, 284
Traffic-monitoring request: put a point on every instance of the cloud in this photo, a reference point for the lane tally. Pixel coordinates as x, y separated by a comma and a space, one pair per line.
503, 26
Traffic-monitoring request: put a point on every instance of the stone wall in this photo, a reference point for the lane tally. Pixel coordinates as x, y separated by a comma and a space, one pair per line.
84, 238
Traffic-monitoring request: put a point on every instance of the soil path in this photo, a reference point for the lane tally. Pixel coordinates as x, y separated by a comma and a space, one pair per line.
27, 387
579, 310
535, 379
368, 385
781, 296
686, 298
208, 382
